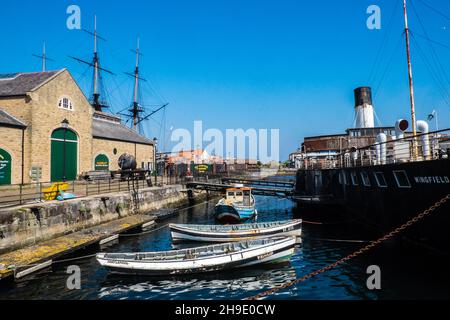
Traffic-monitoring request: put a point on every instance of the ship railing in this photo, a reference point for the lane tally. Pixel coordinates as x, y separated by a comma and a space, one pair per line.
421, 147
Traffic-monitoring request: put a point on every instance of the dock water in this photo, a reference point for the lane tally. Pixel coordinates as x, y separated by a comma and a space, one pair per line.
16, 262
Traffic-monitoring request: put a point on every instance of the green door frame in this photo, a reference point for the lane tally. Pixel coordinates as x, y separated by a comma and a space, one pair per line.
101, 162
64, 155
5, 167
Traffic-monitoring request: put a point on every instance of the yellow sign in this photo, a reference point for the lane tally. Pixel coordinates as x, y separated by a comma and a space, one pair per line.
202, 168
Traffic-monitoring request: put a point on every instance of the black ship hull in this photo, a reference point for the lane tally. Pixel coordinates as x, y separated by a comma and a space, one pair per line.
385, 196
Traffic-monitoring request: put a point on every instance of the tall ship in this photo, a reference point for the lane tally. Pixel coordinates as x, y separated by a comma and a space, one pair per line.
383, 175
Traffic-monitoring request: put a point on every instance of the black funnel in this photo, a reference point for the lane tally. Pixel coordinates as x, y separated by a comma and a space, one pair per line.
363, 95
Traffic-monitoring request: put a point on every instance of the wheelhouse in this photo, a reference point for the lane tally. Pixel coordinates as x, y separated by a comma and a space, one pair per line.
242, 195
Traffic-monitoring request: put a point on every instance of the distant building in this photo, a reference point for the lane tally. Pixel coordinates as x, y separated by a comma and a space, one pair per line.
48, 125
200, 156
191, 156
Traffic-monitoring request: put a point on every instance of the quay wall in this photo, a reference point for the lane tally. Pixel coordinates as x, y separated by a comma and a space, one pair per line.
29, 224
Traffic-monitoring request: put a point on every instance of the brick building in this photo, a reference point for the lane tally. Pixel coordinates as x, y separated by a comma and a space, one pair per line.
47, 123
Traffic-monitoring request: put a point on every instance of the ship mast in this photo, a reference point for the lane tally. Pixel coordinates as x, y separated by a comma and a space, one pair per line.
95, 64
136, 109
96, 101
411, 84
43, 57
134, 112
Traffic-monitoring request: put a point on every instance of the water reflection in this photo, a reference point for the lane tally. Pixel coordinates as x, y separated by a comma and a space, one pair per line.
407, 273
236, 284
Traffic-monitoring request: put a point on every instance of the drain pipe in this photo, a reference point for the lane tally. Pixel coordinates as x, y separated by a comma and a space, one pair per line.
423, 127
381, 148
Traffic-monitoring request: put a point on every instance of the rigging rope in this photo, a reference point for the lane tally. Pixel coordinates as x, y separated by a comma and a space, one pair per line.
439, 67
435, 10
373, 73
388, 67
442, 91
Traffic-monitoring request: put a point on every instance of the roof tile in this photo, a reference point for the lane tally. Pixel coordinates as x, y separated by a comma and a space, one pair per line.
9, 120
116, 131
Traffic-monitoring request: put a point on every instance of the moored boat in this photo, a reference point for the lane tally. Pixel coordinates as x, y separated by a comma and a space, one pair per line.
229, 233
237, 206
202, 259
383, 176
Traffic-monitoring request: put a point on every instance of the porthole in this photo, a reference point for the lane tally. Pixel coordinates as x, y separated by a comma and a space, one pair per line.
402, 179
381, 180
354, 178
365, 178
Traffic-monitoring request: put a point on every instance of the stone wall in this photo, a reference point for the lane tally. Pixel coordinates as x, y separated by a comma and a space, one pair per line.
11, 139
11, 142
19, 107
47, 117
40, 111
26, 225
143, 153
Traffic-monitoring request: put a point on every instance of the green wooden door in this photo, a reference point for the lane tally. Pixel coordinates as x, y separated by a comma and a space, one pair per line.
64, 155
5, 168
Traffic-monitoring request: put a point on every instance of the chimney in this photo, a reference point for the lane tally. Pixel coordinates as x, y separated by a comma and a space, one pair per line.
364, 112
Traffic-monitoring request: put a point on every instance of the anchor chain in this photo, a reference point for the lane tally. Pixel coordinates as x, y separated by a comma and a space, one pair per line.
370, 246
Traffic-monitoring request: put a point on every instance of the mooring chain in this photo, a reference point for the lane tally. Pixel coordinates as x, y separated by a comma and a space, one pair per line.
355, 254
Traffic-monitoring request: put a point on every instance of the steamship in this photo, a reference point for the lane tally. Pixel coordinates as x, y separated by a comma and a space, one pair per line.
383, 175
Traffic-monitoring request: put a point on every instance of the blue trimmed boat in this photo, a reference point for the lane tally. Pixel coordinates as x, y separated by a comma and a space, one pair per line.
238, 206
235, 232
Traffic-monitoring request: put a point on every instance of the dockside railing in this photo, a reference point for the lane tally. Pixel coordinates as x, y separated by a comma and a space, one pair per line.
429, 146
20, 194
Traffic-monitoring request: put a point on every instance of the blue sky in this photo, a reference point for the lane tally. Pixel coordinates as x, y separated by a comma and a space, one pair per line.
290, 65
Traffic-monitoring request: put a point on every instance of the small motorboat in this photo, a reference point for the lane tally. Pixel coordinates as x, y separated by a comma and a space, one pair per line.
239, 232
199, 260
238, 206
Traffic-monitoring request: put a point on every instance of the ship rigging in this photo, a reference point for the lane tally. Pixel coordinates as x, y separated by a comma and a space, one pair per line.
134, 115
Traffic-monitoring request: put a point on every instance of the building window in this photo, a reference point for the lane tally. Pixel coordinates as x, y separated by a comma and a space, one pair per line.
402, 179
65, 103
365, 179
381, 180
343, 178
347, 178
354, 178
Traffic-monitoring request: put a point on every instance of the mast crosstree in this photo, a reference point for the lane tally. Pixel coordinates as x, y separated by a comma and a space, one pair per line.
43, 57
95, 64
135, 113
136, 110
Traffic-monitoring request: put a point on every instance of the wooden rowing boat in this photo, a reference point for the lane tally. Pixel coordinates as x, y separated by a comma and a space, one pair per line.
230, 233
202, 259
